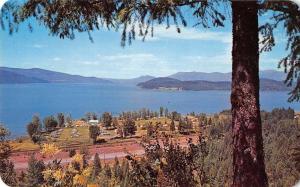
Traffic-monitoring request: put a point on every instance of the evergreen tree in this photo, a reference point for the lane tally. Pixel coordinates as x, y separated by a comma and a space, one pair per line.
94, 132
32, 129
50, 123
129, 127
209, 122
172, 126
106, 119
161, 111
61, 119
34, 172
117, 169
166, 112
96, 166
107, 171
37, 122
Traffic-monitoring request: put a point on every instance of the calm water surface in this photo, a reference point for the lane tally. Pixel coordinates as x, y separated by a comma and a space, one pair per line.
20, 101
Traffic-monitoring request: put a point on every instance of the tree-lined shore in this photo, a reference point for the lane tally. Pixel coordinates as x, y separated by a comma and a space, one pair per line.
172, 150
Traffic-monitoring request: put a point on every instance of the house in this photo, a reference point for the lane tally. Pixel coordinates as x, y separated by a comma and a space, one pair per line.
93, 122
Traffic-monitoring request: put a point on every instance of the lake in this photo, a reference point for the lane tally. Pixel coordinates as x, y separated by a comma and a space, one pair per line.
19, 102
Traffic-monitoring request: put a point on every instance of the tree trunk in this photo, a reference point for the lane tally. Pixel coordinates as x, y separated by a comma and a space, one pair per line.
248, 154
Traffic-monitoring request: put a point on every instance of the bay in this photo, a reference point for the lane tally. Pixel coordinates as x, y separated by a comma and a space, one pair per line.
19, 102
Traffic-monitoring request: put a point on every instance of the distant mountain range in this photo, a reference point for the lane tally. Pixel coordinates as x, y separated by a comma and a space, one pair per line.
270, 79
167, 83
36, 75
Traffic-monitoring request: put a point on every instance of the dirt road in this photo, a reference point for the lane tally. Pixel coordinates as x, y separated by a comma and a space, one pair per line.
106, 152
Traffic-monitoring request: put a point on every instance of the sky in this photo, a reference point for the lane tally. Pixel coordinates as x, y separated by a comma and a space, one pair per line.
194, 49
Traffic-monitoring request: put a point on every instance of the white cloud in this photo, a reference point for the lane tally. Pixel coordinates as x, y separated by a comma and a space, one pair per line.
90, 62
128, 64
190, 34
187, 33
224, 58
38, 46
128, 57
56, 59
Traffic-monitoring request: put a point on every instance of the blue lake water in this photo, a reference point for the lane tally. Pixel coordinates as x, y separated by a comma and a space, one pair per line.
19, 102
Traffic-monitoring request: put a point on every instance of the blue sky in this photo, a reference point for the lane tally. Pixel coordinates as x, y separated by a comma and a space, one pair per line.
194, 49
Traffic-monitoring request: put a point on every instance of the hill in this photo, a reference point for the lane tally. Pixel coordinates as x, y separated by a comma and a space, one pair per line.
198, 85
217, 76
7, 77
133, 81
36, 75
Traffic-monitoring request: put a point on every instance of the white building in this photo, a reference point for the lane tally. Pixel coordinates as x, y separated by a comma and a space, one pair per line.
93, 122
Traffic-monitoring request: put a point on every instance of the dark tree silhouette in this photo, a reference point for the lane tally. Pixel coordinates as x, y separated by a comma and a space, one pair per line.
107, 119
94, 132
248, 156
96, 166
50, 123
64, 18
61, 119
34, 171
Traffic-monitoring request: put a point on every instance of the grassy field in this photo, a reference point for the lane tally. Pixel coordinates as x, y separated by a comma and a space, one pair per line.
65, 139
23, 144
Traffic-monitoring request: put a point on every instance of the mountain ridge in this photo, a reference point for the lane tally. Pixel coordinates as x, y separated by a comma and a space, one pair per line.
167, 83
37, 75
47, 76
217, 76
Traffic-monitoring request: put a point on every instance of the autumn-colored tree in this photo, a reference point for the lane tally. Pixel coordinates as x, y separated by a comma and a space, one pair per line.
7, 172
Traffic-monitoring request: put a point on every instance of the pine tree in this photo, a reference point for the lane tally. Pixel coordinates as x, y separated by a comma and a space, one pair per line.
161, 111
117, 169
61, 119
172, 126
106, 119
34, 172
96, 166
107, 171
